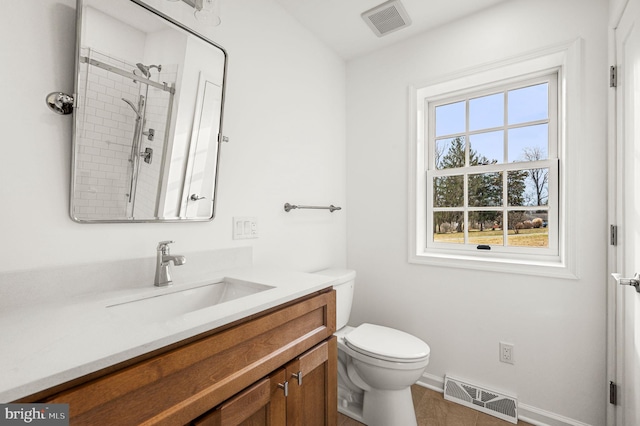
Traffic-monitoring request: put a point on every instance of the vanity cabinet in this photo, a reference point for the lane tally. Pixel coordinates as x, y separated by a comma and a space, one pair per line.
262, 404
233, 375
298, 394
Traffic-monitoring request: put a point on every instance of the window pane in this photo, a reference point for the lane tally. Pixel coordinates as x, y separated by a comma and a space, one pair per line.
528, 187
516, 187
486, 228
450, 153
528, 229
450, 119
529, 104
529, 143
537, 193
486, 148
485, 190
447, 227
486, 112
448, 191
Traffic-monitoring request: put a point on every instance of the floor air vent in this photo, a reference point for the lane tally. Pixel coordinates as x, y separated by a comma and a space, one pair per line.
494, 403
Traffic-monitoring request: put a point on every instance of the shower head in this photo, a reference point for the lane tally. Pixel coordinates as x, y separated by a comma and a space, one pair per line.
132, 107
146, 69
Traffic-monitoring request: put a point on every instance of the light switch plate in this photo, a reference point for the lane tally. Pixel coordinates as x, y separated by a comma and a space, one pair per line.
245, 227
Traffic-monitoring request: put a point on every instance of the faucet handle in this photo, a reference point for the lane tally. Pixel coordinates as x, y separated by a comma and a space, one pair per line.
164, 245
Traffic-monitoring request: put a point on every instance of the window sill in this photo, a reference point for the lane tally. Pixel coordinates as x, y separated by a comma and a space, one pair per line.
543, 268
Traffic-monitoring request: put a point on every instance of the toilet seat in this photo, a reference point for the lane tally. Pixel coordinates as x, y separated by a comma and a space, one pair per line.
387, 344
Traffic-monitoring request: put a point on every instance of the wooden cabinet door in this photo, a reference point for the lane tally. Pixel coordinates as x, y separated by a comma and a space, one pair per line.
312, 377
263, 404
304, 393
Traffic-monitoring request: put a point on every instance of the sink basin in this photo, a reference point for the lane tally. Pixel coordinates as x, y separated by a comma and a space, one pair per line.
155, 307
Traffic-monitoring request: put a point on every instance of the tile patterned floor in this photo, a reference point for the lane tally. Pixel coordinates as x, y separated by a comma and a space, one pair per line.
433, 410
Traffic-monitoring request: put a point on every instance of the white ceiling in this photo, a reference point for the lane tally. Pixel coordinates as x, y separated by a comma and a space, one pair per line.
339, 25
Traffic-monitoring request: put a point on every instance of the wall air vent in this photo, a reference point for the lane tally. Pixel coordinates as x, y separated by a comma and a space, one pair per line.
489, 402
386, 18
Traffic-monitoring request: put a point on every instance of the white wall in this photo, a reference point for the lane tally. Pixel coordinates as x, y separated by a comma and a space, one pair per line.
285, 116
557, 326
126, 40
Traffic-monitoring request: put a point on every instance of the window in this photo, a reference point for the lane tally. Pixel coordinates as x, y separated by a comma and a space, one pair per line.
489, 167
492, 169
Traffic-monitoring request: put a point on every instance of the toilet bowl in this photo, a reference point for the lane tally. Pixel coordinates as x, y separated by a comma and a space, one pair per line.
376, 365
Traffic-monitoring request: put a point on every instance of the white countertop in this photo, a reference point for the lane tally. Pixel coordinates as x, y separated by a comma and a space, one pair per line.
47, 344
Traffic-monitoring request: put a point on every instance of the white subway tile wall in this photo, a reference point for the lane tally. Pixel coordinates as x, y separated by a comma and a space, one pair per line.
156, 116
104, 140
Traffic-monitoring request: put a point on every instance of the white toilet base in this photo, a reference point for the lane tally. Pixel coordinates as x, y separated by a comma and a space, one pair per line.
353, 411
389, 408
349, 401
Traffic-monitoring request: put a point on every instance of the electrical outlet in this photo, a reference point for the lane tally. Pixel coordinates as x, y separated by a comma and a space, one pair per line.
506, 352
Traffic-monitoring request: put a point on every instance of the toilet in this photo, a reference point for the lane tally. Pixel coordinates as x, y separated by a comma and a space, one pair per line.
376, 365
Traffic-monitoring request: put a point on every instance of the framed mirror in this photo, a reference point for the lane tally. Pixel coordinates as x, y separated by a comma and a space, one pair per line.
149, 100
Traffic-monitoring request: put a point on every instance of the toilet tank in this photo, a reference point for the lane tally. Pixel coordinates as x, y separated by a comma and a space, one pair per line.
345, 280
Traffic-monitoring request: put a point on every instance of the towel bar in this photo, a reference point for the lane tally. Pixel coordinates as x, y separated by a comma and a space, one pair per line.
288, 207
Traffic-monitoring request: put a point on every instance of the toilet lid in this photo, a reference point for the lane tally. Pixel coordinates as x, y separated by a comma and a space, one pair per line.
387, 343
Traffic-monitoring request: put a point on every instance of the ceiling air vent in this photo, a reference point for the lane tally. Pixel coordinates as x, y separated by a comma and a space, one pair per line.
386, 18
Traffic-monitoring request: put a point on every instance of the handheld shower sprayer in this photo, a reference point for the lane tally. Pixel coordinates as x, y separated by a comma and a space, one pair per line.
133, 107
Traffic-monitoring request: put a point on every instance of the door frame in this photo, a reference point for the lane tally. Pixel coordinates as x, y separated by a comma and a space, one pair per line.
615, 255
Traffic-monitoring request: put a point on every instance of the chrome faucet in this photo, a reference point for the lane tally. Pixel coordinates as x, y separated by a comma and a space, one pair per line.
163, 275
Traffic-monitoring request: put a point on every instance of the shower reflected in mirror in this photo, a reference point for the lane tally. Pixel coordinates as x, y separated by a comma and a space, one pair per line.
148, 114
116, 181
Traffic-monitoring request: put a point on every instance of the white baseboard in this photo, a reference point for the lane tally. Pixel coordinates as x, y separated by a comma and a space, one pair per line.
429, 381
526, 413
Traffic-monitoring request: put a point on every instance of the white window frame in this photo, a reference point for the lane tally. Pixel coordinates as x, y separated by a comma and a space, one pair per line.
560, 260
503, 167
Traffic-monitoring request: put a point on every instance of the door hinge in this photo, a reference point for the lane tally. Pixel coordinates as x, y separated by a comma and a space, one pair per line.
613, 393
613, 76
613, 233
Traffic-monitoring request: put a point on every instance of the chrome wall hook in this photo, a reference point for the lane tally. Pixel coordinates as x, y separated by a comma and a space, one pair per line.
60, 103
